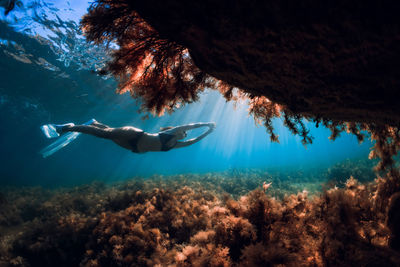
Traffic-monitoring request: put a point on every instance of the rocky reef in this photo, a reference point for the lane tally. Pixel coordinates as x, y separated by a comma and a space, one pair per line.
336, 64
337, 61
191, 220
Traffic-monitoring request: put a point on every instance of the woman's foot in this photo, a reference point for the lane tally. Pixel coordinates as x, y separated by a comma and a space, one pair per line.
61, 127
54, 130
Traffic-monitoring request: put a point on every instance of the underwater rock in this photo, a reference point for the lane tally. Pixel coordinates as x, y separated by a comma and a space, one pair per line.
336, 64
393, 221
339, 61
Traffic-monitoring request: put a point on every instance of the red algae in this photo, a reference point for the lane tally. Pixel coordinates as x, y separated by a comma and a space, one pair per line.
187, 221
159, 67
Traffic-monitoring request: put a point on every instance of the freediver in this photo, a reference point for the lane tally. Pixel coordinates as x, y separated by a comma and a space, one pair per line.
132, 138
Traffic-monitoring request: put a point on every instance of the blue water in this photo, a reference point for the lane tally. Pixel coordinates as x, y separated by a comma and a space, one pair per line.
55, 84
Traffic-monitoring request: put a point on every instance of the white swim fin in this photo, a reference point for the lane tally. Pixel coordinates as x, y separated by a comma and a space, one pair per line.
54, 130
50, 131
61, 142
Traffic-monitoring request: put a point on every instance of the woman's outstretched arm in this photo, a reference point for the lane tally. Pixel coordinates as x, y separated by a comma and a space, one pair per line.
211, 127
190, 126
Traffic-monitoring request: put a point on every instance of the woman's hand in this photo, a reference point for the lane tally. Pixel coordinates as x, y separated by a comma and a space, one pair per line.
212, 125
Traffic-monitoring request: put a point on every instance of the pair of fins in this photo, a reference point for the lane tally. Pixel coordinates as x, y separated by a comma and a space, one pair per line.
52, 131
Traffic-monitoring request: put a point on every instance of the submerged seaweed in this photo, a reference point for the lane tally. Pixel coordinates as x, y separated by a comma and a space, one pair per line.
338, 174
192, 220
335, 217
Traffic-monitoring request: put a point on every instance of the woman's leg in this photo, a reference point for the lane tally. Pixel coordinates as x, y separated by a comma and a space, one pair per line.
106, 132
99, 125
115, 134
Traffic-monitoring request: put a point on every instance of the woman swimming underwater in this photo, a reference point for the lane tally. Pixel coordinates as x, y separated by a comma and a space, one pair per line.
130, 137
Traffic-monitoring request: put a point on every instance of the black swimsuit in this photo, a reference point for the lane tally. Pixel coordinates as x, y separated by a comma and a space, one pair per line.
134, 141
164, 139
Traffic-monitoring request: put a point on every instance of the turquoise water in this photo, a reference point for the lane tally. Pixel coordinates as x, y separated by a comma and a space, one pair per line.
47, 77
232, 199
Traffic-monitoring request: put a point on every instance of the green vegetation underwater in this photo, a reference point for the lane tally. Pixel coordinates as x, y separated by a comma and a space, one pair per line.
235, 198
